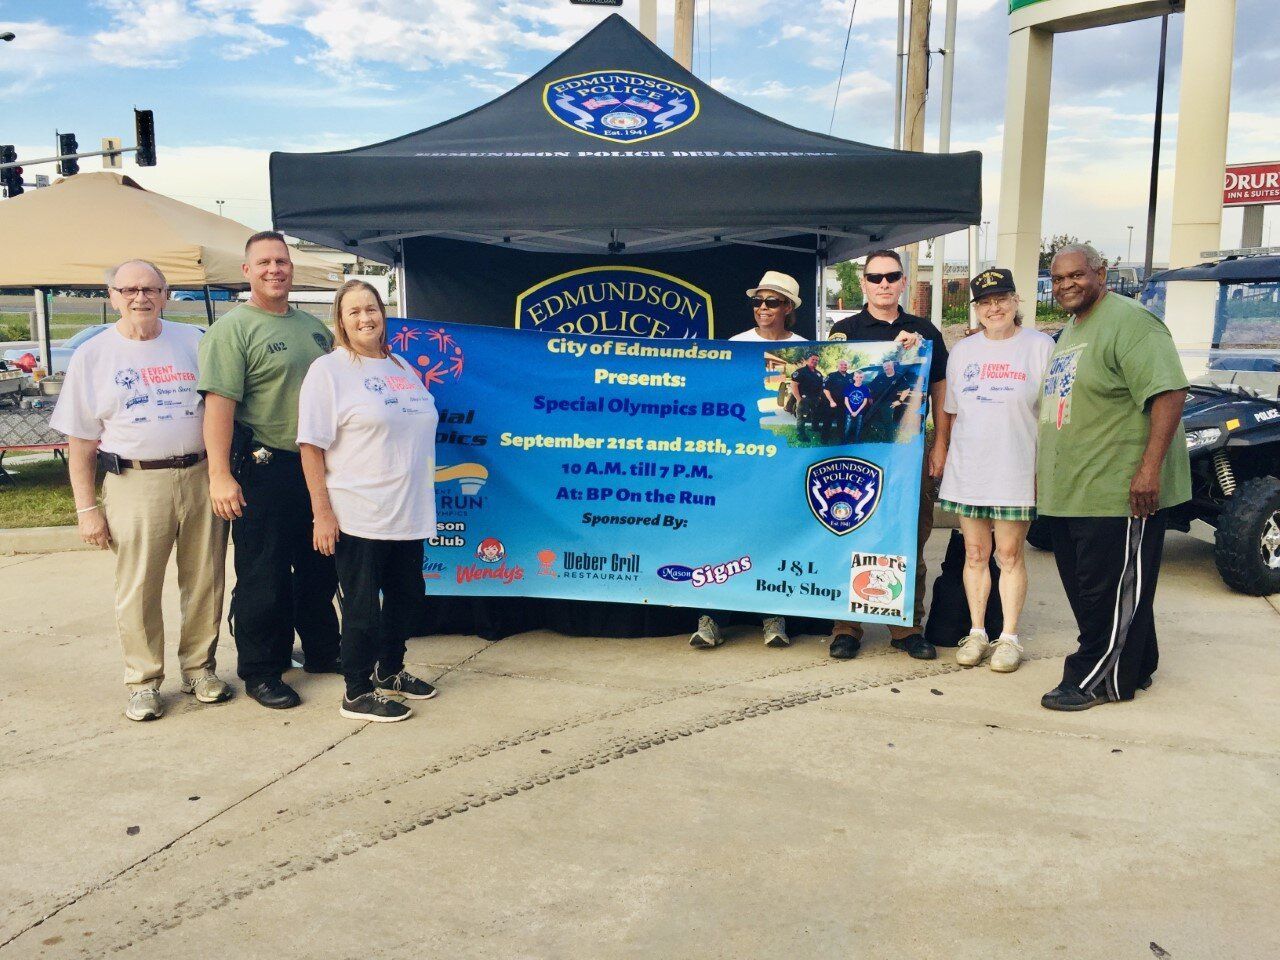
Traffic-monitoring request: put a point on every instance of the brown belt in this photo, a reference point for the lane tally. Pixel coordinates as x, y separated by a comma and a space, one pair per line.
172, 463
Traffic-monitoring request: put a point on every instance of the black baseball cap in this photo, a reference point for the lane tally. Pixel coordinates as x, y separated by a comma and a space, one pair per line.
991, 282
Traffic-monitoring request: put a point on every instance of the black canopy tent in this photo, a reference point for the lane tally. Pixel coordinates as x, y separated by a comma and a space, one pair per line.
530, 171
612, 154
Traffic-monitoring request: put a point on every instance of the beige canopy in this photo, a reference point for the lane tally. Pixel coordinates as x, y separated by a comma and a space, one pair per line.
66, 235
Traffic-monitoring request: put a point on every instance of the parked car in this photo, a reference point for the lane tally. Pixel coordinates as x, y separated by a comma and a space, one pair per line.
216, 295
27, 358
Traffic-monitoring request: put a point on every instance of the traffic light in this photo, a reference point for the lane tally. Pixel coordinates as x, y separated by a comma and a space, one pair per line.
67, 144
144, 123
10, 177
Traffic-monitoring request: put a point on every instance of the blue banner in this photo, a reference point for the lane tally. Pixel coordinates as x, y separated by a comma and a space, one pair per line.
779, 479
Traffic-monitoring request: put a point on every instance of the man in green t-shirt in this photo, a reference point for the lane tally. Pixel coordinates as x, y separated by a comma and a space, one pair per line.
1112, 459
252, 363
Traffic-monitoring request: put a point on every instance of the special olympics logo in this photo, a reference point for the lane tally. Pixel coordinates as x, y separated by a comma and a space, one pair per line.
131, 381
620, 105
435, 353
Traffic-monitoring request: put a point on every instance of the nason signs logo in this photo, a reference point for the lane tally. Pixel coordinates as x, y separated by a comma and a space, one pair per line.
622, 106
617, 301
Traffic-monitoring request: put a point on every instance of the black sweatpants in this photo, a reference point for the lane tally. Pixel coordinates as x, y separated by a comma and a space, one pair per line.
375, 632
1109, 567
282, 583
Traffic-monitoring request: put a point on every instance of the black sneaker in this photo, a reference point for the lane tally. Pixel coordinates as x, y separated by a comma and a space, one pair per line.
844, 646
916, 646
1070, 698
405, 684
375, 707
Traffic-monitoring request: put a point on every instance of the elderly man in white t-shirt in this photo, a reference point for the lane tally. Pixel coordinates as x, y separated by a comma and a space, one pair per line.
130, 402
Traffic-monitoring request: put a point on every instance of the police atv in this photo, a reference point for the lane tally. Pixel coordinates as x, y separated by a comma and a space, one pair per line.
1232, 424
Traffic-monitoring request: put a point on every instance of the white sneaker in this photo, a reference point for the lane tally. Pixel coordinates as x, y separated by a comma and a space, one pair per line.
973, 650
207, 688
1007, 655
708, 634
145, 705
775, 632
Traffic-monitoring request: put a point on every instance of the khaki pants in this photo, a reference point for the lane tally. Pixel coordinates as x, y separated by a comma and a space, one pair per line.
927, 486
150, 512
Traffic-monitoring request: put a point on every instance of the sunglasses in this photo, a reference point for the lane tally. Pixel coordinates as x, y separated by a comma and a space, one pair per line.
773, 303
892, 277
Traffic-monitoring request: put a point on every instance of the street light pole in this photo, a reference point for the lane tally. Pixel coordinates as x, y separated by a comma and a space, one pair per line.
1128, 256
219, 203
986, 235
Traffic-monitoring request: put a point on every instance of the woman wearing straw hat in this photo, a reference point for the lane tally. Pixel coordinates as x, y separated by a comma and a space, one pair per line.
774, 301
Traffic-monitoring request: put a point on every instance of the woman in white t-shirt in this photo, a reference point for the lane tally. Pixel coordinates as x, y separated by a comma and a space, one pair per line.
366, 433
774, 301
986, 454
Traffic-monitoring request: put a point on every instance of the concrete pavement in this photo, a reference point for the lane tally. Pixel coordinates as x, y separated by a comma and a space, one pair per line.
586, 798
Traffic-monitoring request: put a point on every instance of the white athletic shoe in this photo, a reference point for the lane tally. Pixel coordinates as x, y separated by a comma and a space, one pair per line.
708, 634
145, 704
973, 650
1007, 655
775, 632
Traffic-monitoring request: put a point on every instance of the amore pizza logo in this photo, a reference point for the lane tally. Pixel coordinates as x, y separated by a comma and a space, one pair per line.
620, 105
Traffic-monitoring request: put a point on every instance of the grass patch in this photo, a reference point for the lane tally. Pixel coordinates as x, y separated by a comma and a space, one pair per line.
40, 495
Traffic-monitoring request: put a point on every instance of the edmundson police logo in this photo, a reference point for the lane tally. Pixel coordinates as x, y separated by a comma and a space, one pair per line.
620, 105
843, 492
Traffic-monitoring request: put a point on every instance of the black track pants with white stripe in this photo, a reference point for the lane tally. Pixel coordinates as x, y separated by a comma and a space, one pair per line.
1109, 567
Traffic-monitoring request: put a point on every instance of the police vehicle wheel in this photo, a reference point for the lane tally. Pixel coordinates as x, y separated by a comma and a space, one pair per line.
1247, 543
1039, 536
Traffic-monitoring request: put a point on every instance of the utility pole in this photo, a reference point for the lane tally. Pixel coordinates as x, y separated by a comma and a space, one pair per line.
683, 45
944, 146
649, 19
913, 119
897, 69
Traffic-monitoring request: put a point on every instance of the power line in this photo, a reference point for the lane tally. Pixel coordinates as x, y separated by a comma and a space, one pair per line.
843, 57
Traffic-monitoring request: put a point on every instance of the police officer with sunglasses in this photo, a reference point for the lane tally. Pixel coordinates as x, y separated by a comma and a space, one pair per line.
882, 319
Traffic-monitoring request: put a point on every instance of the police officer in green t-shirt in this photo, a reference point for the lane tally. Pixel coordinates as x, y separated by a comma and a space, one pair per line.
252, 363
1112, 459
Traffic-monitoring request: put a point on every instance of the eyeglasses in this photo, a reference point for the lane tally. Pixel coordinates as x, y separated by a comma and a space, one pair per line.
130, 292
997, 300
773, 303
892, 277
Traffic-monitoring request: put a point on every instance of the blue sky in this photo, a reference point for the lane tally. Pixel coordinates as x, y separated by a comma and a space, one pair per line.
231, 80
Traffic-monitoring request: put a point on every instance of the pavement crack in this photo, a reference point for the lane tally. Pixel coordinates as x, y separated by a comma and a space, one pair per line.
107, 881
350, 843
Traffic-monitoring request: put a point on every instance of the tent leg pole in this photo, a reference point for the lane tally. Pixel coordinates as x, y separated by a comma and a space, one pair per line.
973, 272
402, 295
42, 320
821, 332
208, 305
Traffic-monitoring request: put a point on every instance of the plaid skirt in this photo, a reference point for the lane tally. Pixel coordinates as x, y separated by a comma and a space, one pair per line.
988, 513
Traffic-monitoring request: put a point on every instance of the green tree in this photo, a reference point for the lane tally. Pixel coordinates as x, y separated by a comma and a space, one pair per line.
848, 273
1050, 246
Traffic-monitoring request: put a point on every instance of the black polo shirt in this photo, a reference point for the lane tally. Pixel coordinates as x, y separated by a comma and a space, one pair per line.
863, 326
809, 382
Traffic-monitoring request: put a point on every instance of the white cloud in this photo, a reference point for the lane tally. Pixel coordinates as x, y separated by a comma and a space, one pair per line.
158, 33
